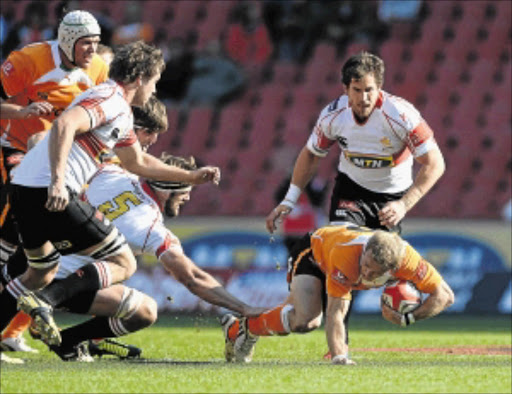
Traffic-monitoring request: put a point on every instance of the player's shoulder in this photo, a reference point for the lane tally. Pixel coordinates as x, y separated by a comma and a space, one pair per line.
397, 105
334, 108
98, 66
28, 56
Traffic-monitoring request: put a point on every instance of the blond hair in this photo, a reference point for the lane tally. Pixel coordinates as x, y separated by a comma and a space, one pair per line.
387, 249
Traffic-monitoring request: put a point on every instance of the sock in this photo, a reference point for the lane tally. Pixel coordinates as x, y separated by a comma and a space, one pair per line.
9, 300
98, 327
90, 277
17, 326
272, 322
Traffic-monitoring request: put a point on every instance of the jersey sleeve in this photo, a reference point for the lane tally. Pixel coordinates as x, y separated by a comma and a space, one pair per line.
406, 121
416, 269
15, 73
160, 240
323, 135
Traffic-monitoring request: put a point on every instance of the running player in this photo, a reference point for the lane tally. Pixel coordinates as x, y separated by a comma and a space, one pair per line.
37, 83
46, 184
336, 260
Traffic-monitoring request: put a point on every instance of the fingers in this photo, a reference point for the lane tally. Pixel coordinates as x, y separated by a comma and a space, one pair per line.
211, 174
275, 217
39, 108
56, 204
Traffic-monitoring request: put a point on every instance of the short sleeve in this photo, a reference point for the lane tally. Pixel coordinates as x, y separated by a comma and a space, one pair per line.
416, 269
323, 135
14, 73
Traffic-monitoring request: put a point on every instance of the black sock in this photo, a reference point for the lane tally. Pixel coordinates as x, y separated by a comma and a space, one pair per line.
86, 278
9, 308
97, 327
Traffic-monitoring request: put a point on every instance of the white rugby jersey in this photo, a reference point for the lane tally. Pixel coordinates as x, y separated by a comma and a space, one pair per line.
378, 155
111, 126
133, 209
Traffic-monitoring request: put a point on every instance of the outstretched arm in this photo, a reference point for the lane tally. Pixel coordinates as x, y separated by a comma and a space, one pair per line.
145, 165
202, 284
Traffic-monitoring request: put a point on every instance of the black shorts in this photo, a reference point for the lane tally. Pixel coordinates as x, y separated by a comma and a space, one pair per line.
301, 262
73, 230
353, 203
9, 158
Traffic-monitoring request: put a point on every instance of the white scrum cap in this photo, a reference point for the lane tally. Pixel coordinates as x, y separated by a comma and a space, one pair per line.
75, 25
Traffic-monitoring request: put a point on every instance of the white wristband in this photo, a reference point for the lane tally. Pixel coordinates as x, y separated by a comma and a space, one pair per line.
292, 196
407, 319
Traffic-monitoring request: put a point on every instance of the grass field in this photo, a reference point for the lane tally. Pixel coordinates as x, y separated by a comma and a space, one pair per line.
185, 355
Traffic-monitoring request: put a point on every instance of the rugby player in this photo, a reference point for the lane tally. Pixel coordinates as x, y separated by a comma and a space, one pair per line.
335, 260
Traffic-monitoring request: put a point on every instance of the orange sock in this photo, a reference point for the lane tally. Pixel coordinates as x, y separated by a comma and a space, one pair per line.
233, 330
272, 322
17, 326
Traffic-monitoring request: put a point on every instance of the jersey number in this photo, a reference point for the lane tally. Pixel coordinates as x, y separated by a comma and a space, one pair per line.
113, 209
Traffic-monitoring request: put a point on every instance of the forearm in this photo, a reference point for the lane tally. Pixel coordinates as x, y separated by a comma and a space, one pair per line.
426, 178
200, 282
11, 111
335, 327
61, 139
305, 167
150, 167
435, 303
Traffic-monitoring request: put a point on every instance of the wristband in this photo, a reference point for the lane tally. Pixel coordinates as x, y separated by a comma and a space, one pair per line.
407, 319
292, 196
339, 357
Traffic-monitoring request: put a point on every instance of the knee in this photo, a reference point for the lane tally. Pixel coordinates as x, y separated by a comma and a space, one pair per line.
306, 324
146, 313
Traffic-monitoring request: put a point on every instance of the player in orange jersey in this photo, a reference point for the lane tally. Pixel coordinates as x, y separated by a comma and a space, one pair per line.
336, 260
37, 83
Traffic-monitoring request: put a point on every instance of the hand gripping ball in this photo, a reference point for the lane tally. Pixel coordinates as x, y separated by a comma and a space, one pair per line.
402, 296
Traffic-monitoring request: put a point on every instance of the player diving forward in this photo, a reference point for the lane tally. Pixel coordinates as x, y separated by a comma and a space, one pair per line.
135, 207
337, 259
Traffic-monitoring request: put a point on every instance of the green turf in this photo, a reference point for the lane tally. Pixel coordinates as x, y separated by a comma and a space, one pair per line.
184, 355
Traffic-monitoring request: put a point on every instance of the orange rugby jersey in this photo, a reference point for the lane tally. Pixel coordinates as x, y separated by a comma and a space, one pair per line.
337, 251
36, 73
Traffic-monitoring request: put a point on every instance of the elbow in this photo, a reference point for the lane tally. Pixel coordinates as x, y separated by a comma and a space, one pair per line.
450, 299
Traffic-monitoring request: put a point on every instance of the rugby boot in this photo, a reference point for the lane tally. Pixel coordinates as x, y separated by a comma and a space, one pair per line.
110, 347
244, 343
78, 353
41, 313
226, 322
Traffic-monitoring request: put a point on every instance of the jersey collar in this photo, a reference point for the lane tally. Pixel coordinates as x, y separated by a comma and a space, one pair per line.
150, 192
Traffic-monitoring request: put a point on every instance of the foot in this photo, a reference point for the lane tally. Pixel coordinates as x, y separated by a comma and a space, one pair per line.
244, 343
10, 360
41, 314
226, 322
16, 344
78, 353
113, 348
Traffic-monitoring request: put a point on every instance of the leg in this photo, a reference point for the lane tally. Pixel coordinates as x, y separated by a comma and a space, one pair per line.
119, 310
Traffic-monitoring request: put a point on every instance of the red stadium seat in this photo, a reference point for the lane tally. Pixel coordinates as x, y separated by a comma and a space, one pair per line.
163, 143
196, 131
284, 73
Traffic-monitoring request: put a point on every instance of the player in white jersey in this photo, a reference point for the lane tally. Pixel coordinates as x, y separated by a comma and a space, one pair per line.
135, 207
52, 220
380, 137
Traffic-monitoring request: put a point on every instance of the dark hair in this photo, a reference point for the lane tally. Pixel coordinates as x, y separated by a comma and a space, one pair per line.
135, 60
357, 66
153, 116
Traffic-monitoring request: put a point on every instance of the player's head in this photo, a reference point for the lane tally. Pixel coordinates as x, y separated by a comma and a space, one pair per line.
139, 66
79, 36
149, 121
174, 193
382, 254
363, 76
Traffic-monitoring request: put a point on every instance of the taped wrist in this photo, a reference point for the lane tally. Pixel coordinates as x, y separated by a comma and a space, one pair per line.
292, 196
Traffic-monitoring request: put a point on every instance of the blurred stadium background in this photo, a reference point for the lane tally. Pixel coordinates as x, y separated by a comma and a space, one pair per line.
451, 59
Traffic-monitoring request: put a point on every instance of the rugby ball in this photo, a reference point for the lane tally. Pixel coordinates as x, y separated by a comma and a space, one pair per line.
402, 296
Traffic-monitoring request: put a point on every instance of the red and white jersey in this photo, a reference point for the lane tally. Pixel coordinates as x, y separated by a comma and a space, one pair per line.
111, 126
133, 209
378, 155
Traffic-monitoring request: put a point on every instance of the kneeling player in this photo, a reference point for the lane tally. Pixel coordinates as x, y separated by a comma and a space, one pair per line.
337, 259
